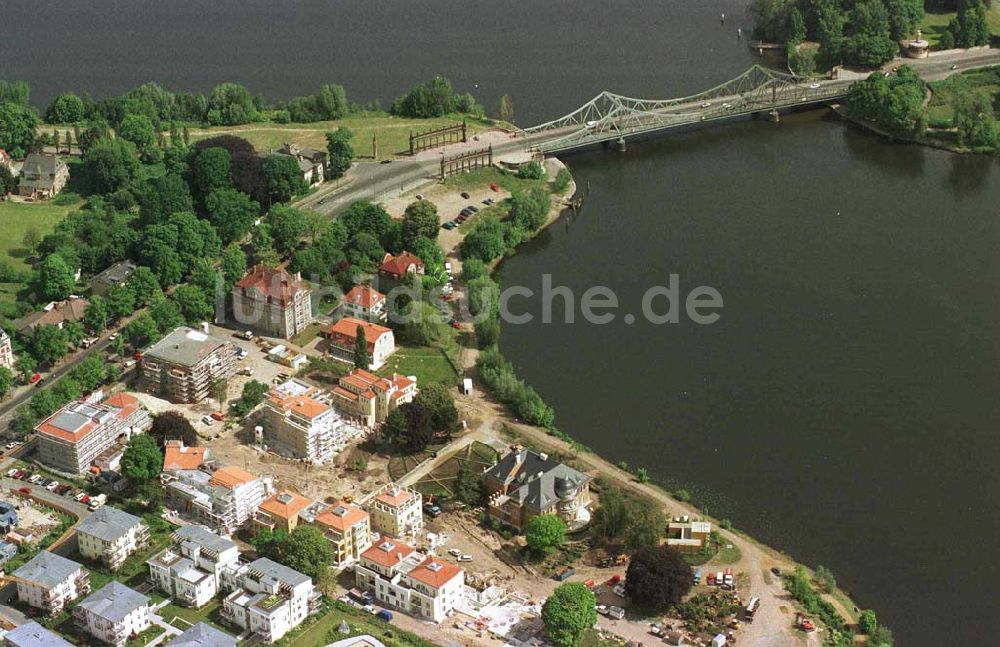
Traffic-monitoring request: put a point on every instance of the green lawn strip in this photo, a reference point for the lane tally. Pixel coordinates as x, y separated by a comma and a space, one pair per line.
428, 363
324, 628
940, 109
208, 614
392, 134
147, 636
17, 218
476, 180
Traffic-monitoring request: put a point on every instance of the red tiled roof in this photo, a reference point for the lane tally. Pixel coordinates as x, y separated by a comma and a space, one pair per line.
399, 266
178, 457
388, 552
275, 284
351, 515
437, 576
397, 499
284, 505
122, 405
364, 296
345, 331
229, 477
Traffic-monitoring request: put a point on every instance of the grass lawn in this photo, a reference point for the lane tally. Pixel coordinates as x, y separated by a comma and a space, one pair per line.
147, 636
940, 110
184, 617
391, 133
17, 218
428, 363
935, 23
323, 629
306, 337
483, 177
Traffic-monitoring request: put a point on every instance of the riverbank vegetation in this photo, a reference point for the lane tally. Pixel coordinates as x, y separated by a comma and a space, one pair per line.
863, 33
959, 113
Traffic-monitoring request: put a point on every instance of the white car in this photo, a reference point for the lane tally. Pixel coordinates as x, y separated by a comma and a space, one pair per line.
814, 86
454, 552
465, 558
727, 106
113, 336
591, 124
52, 486
208, 420
707, 104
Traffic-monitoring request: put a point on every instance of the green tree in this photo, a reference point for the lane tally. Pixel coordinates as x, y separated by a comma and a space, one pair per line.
48, 344
485, 241
433, 98
17, 128
977, 127
561, 183
252, 395
231, 212
657, 578
74, 332
219, 390
904, 17
544, 533
881, 637
6, 380
141, 330
142, 460
868, 622
796, 26
139, 130
409, 427
57, 278
645, 526
339, 150
825, 579
364, 216
968, 28
420, 219
67, 108
362, 359
121, 301
262, 247
171, 425
194, 304
166, 313
284, 178
432, 255
233, 265
870, 43
111, 164
568, 613
531, 171
231, 104
287, 227
611, 517
305, 549
144, 285
438, 400
210, 170
161, 197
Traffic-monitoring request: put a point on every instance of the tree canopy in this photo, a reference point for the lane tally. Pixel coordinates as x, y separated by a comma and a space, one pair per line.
568, 613
544, 533
305, 549
657, 578
142, 460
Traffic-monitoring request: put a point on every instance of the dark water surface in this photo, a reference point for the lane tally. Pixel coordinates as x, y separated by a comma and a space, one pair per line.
845, 406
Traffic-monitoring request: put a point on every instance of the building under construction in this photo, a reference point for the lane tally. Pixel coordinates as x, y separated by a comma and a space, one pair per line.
183, 365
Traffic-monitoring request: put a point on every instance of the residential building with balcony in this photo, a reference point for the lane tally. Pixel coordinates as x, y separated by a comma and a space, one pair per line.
110, 536
342, 337
32, 634
6, 351
202, 635
182, 365
273, 302
370, 399
268, 599
402, 578
396, 512
688, 536
301, 422
348, 528
190, 569
114, 614
72, 438
223, 500
49, 582
280, 512
178, 457
365, 302
525, 484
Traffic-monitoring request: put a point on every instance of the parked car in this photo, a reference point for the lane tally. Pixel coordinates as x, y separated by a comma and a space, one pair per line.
776, 571
35, 379
619, 589
432, 510
616, 612
454, 552
51, 485
218, 415
385, 614
473, 208
246, 370
113, 336
465, 558
465, 195
208, 420
25, 490
448, 225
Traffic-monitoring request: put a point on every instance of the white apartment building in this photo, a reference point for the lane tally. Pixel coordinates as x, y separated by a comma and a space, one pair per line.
114, 614
32, 634
71, 439
190, 569
267, 599
348, 528
402, 578
110, 536
49, 582
396, 512
301, 422
6, 352
222, 500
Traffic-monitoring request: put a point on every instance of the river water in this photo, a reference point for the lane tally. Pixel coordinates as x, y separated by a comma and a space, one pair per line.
844, 406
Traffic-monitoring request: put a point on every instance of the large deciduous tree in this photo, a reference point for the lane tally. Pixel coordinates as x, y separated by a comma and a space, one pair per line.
284, 177
57, 279
657, 578
142, 460
568, 613
339, 150
420, 219
17, 128
111, 164
544, 533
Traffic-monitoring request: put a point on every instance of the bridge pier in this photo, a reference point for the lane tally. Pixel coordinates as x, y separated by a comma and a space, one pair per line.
775, 117
621, 145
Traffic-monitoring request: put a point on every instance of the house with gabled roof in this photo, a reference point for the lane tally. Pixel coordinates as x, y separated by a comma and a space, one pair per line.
300, 422
111, 536
42, 176
268, 599
394, 270
370, 399
525, 484
343, 337
280, 512
365, 302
